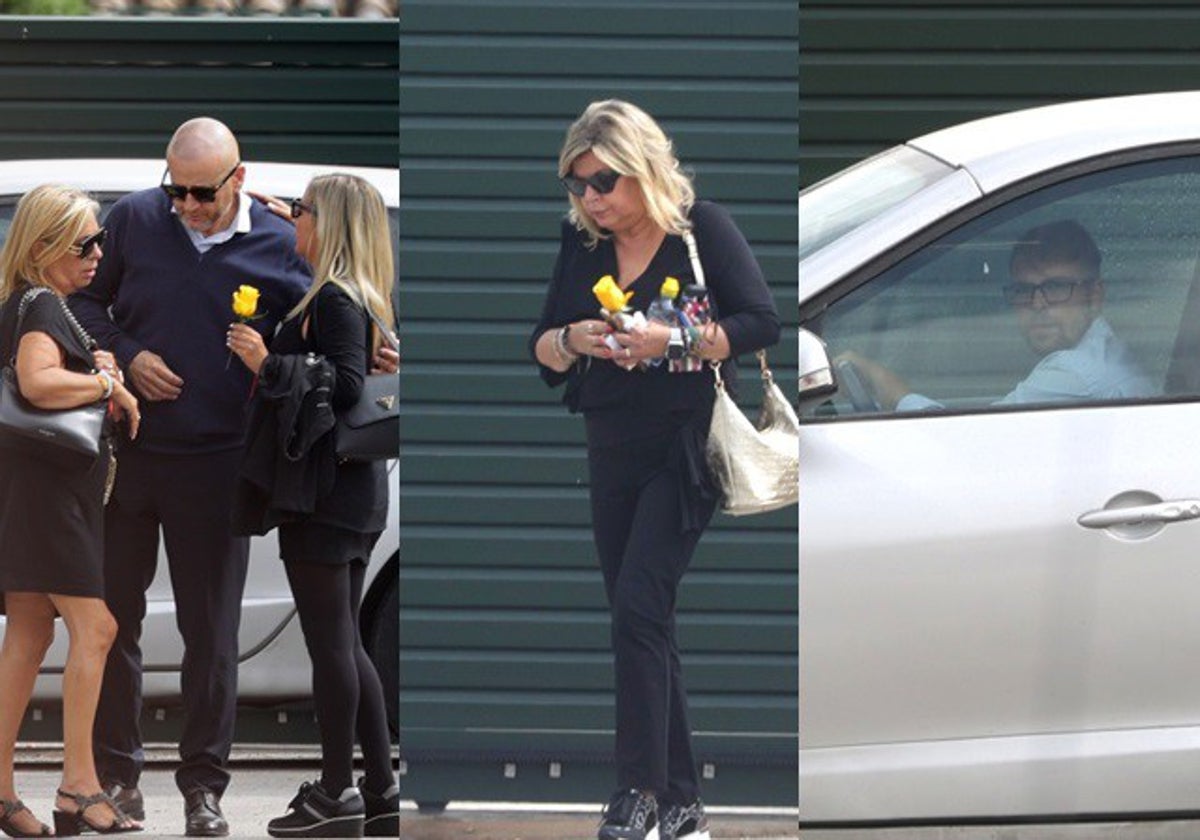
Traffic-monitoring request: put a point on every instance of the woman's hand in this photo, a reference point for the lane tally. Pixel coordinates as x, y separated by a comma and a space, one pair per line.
648, 341
105, 361
276, 205
589, 338
386, 360
124, 406
248, 345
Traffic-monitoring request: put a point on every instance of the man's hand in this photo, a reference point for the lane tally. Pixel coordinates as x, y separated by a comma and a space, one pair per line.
153, 379
386, 360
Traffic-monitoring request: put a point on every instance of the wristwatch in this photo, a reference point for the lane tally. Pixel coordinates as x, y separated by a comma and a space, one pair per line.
675, 346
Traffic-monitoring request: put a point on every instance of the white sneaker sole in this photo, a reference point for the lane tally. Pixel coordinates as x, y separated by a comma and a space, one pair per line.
695, 835
333, 827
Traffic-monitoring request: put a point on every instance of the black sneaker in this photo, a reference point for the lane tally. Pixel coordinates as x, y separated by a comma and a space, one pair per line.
314, 813
630, 815
383, 811
683, 822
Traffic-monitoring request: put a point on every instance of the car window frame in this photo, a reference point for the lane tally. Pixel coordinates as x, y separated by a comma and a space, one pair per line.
811, 310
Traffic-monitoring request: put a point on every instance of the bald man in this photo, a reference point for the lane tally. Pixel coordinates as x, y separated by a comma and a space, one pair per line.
160, 302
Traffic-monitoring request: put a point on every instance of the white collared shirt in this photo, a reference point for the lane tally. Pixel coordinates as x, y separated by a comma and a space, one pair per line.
240, 224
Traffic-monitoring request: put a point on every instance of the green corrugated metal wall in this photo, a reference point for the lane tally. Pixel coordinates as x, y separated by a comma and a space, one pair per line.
317, 91
505, 670
877, 73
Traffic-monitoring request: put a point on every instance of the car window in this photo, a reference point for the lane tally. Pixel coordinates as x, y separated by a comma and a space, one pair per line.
957, 325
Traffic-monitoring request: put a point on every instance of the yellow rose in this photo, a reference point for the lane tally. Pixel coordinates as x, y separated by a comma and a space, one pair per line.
245, 302
670, 288
610, 295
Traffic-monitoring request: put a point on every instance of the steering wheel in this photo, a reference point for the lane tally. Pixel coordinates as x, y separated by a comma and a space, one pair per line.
849, 379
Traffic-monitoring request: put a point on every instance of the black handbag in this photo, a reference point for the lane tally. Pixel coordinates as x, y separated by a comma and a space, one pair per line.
41, 432
369, 430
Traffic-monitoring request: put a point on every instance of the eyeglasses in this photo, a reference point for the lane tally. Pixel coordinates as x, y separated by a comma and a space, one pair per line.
205, 195
299, 208
1053, 290
87, 247
603, 182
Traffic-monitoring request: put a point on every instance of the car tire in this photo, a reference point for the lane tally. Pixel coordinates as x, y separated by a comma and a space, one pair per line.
383, 646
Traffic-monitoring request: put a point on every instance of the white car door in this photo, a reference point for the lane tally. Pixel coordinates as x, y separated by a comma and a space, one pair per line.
998, 606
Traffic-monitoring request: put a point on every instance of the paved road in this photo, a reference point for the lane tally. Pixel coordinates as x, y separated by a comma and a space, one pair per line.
1162, 830
259, 793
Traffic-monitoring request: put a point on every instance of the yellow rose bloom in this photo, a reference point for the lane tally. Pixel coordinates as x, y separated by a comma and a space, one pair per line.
245, 302
609, 294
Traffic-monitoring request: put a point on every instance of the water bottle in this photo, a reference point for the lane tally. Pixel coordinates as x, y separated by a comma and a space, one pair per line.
662, 309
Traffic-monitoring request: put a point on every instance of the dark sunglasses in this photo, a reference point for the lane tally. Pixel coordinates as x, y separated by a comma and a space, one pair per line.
205, 195
603, 182
87, 247
1053, 290
299, 208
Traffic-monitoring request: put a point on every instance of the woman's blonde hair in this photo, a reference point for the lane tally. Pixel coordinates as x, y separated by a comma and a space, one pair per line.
629, 141
52, 216
354, 248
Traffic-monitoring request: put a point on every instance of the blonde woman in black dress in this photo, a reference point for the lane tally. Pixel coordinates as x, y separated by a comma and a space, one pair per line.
51, 511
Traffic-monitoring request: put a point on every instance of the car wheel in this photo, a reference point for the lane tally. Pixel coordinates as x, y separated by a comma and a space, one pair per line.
383, 646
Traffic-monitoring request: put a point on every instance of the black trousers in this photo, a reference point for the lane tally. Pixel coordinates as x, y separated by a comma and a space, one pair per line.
187, 497
636, 514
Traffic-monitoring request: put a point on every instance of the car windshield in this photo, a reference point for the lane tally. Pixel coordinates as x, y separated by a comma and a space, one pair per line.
839, 204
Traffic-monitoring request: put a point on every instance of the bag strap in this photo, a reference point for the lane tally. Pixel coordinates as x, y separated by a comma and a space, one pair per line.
89, 343
698, 270
689, 239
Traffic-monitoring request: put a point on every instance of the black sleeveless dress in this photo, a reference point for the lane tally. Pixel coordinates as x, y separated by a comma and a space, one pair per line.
51, 513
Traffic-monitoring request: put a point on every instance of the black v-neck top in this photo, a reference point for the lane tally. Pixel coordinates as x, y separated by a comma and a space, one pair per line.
737, 292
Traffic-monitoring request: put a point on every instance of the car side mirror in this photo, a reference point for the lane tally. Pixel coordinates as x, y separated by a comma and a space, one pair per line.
817, 382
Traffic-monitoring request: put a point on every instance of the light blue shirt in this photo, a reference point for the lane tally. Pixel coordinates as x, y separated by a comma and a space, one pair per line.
1099, 367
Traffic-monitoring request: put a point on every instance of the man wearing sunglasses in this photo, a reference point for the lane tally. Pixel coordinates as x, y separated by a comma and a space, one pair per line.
1057, 297
161, 302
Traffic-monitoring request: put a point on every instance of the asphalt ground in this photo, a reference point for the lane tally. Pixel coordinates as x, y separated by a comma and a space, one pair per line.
265, 779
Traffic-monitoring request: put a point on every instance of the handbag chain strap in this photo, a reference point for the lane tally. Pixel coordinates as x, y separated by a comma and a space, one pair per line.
89, 343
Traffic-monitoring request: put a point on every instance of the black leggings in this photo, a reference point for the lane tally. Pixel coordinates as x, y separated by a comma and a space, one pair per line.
346, 687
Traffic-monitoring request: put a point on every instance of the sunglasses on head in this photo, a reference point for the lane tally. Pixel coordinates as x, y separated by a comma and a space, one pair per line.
603, 182
87, 247
299, 208
205, 195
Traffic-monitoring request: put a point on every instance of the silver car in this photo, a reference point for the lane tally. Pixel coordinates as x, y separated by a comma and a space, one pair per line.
274, 665
1000, 582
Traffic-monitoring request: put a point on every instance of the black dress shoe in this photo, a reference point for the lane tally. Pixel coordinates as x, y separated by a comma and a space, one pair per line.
128, 799
204, 817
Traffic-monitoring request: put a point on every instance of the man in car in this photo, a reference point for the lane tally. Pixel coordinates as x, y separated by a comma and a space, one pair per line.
1057, 294
161, 302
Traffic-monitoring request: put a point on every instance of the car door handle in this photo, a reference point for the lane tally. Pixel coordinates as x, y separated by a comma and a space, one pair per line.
1177, 510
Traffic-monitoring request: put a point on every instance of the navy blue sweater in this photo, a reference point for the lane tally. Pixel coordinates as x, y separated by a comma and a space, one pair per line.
167, 297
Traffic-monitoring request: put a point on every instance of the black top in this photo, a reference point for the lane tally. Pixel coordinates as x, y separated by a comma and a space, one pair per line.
737, 292
339, 331
154, 291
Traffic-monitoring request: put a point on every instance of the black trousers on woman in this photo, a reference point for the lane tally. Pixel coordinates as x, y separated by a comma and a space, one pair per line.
636, 515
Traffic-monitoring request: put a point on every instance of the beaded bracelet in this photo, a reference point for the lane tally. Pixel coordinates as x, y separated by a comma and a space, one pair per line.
107, 383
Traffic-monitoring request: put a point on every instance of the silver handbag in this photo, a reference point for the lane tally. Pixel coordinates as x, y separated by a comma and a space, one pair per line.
757, 466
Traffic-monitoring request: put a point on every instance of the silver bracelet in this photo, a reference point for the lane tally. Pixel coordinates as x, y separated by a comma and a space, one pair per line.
565, 354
